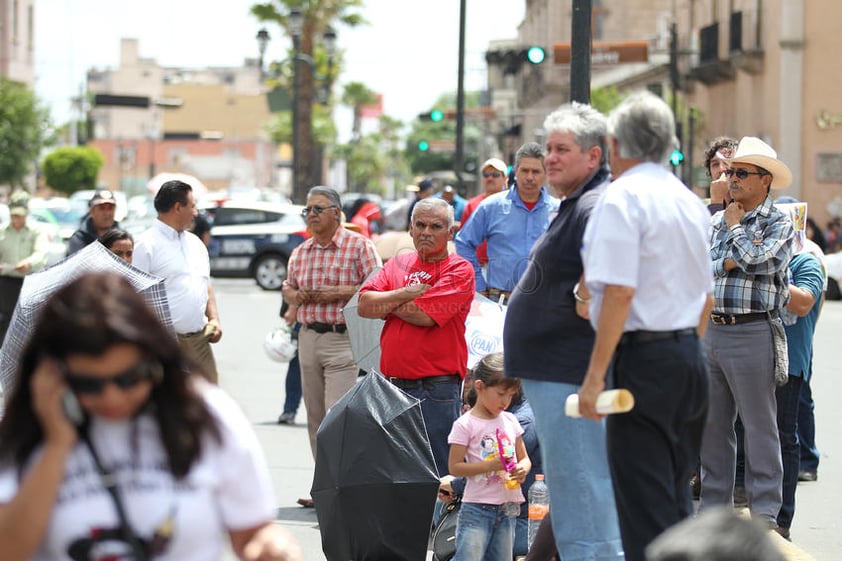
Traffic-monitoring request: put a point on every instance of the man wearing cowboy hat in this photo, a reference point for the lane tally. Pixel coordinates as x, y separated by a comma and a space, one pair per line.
751, 246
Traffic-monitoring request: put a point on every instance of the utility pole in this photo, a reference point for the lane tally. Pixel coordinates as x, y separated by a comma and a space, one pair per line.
459, 155
674, 82
580, 52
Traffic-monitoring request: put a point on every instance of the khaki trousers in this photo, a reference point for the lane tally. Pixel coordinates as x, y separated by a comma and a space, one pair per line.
328, 371
197, 346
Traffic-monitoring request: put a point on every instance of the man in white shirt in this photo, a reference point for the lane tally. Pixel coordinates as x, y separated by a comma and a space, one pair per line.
648, 277
168, 250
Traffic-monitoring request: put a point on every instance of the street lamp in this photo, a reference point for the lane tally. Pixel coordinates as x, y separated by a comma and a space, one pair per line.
295, 25
262, 42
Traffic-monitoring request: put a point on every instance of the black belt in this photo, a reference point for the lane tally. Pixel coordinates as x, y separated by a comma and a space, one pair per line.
637, 337
327, 327
496, 294
737, 319
406, 384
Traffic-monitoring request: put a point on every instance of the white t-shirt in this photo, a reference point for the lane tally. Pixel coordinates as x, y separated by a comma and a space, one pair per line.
181, 259
650, 232
479, 437
228, 488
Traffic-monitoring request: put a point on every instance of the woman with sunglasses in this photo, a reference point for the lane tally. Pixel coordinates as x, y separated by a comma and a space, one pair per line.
110, 448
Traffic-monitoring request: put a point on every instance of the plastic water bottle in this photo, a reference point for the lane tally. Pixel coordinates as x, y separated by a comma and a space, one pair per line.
539, 506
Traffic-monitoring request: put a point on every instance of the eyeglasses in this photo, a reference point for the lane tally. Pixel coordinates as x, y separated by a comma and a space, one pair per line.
494, 174
445, 493
741, 173
94, 385
317, 209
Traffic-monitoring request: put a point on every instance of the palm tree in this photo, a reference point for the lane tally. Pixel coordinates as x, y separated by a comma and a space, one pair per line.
357, 95
318, 16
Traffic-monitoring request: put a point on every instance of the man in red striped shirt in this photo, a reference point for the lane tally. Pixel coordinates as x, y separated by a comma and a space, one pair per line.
323, 273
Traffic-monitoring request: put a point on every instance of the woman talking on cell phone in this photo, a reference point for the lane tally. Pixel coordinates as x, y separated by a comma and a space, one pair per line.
111, 449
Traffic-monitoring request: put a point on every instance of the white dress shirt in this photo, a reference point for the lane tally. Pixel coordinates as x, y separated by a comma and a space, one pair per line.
181, 259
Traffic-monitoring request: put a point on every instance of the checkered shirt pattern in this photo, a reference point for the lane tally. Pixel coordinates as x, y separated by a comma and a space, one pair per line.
761, 245
347, 260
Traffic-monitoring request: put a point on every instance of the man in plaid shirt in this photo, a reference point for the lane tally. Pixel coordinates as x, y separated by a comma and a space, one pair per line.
751, 246
324, 272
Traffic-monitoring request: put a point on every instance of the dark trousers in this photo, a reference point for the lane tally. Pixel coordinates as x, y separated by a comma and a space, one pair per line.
787, 397
807, 430
652, 449
9, 294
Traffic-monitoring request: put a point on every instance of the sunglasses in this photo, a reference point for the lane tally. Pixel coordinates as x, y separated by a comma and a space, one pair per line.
445, 493
494, 174
741, 173
94, 385
317, 209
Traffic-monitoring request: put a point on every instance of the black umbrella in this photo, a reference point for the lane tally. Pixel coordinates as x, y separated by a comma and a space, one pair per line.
375, 482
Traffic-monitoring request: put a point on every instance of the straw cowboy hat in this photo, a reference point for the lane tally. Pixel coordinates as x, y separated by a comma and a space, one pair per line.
752, 150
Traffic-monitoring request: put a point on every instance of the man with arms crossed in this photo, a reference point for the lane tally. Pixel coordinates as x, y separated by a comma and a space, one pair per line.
425, 297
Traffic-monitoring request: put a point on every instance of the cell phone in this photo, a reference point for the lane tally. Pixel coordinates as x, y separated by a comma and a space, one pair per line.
72, 409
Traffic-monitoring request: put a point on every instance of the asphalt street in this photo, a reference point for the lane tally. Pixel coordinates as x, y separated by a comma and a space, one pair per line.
256, 382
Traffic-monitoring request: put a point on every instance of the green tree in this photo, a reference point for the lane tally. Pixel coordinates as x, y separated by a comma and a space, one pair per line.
72, 168
318, 16
356, 95
24, 130
605, 99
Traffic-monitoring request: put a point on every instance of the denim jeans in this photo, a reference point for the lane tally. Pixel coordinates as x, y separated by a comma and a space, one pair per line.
484, 533
440, 406
575, 463
292, 386
787, 397
807, 430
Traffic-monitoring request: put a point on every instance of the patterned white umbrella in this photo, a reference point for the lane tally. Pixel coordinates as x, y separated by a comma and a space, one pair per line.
38, 287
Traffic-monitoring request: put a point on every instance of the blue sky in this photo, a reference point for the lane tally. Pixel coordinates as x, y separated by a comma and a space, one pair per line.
408, 51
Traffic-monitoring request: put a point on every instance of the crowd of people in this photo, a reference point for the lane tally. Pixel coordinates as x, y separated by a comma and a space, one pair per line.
612, 274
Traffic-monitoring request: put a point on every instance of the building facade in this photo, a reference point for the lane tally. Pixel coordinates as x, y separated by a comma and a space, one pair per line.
210, 123
17, 41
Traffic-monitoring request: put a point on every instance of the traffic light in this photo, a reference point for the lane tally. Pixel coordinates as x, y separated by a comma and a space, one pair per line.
423, 145
535, 55
676, 157
436, 116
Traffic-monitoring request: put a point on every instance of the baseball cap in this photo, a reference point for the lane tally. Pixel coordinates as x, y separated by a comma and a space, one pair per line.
497, 164
102, 197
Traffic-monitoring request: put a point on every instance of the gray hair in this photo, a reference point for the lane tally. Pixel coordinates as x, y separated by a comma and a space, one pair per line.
716, 534
329, 192
529, 150
588, 126
644, 128
433, 203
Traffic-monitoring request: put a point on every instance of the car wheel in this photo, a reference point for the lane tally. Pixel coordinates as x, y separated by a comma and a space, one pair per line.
270, 271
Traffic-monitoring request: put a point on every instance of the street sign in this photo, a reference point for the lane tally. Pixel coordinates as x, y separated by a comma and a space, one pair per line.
442, 146
606, 52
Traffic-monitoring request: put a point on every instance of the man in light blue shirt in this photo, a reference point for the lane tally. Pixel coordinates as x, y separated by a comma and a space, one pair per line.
511, 222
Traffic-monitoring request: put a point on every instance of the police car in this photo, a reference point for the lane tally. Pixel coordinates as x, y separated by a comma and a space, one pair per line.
254, 239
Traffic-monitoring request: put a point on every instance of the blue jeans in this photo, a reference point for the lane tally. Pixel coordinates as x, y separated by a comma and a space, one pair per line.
575, 463
292, 383
484, 533
440, 406
807, 430
787, 397
292, 386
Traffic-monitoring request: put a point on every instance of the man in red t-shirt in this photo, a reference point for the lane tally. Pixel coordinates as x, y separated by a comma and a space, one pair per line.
494, 176
425, 297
